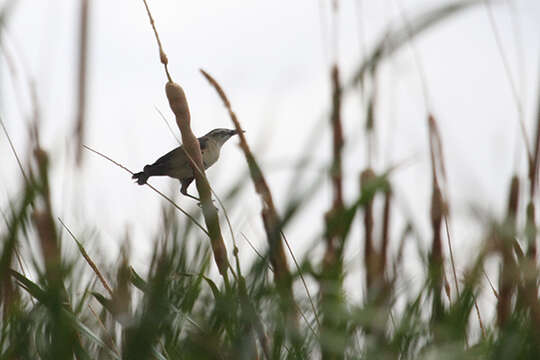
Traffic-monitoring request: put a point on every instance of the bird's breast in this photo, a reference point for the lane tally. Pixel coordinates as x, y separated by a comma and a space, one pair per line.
210, 154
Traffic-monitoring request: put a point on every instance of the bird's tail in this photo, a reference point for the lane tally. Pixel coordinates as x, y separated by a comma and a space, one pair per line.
142, 176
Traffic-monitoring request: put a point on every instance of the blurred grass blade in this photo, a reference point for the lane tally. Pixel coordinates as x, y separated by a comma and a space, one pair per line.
137, 280
213, 287
393, 39
107, 303
31, 287
90, 262
95, 338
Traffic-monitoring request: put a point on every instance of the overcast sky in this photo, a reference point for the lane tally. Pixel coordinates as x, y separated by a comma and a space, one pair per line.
272, 59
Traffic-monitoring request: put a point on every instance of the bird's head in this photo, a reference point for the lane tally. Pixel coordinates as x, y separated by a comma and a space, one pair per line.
221, 135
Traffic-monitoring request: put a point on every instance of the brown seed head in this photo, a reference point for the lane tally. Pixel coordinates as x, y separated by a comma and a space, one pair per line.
178, 103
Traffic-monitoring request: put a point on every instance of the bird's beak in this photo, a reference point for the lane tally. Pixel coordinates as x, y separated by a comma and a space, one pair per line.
234, 132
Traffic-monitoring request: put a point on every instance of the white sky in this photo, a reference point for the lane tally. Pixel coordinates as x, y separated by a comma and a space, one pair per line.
271, 58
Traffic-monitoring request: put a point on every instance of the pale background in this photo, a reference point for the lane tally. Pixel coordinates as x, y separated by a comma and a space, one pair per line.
272, 59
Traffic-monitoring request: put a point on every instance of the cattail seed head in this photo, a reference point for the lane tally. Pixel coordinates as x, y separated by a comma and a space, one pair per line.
178, 103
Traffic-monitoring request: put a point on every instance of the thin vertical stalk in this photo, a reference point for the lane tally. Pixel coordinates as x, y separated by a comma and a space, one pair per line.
336, 172
438, 210
508, 273
385, 233
534, 168
508, 72
82, 76
332, 272
370, 253
529, 265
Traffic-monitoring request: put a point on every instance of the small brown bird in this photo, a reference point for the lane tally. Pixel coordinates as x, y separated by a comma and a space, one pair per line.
176, 164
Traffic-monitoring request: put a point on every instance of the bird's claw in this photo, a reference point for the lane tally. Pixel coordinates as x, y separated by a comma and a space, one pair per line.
213, 202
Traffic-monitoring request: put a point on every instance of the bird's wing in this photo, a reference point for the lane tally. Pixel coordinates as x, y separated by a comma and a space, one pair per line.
175, 163
203, 142
173, 159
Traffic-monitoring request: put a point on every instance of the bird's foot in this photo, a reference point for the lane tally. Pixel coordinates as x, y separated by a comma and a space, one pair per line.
213, 203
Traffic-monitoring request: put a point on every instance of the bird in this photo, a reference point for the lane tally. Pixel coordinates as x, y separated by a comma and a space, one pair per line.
176, 164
